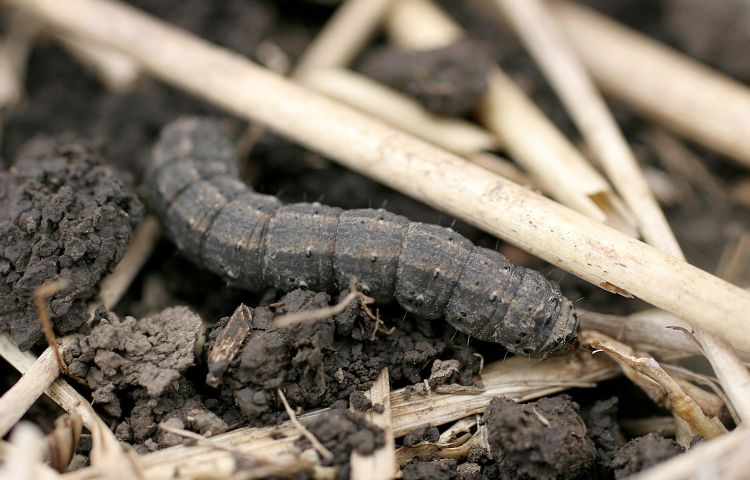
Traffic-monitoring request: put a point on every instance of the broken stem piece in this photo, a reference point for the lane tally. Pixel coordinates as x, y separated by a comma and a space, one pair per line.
544, 38
289, 319
530, 138
676, 399
345, 34
380, 464
399, 110
574, 243
702, 104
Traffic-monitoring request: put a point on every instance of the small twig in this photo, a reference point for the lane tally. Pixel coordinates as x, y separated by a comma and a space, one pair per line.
700, 103
380, 464
676, 399
345, 34
530, 138
399, 110
319, 447
41, 294
21, 396
544, 38
117, 71
289, 319
113, 286
443, 180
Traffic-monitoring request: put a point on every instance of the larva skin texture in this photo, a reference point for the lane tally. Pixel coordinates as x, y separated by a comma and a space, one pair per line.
253, 241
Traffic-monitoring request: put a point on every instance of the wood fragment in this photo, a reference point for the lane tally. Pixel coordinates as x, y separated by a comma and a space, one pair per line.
345, 34
381, 464
554, 233
16, 401
698, 102
228, 344
664, 390
544, 38
399, 110
530, 138
116, 71
62, 442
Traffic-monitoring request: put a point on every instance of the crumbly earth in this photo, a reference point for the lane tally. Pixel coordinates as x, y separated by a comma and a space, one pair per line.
643, 452
63, 215
448, 81
151, 353
604, 431
343, 431
318, 363
545, 439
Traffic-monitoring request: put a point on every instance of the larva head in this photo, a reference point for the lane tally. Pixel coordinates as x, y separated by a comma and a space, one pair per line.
540, 321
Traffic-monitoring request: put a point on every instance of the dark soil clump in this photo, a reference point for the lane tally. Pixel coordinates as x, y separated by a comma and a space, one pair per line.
545, 439
642, 453
64, 216
447, 81
318, 363
150, 353
342, 432
604, 430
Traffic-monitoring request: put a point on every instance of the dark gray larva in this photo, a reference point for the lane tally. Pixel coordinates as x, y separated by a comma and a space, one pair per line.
253, 241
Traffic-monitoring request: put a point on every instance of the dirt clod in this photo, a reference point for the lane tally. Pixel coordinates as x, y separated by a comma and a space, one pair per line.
319, 363
343, 431
545, 439
643, 452
63, 215
151, 353
448, 81
604, 430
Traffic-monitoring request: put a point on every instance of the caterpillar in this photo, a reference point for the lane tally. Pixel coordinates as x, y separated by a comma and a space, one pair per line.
253, 241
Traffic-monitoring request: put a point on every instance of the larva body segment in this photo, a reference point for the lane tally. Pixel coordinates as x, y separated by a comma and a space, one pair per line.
252, 240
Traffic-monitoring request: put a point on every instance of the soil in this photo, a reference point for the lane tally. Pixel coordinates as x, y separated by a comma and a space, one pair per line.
343, 432
65, 216
319, 363
643, 452
69, 209
151, 353
539, 440
447, 81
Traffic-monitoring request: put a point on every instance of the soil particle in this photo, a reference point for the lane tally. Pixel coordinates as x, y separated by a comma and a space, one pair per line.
604, 430
121, 353
448, 81
343, 431
443, 469
359, 401
643, 452
545, 439
427, 433
319, 363
64, 215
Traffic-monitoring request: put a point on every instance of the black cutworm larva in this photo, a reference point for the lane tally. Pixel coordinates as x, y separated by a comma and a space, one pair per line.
253, 241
